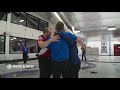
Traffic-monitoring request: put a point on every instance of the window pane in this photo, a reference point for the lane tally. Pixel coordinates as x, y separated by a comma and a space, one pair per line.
42, 24
18, 18
16, 44
2, 44
3, 16
32, 45
32, 22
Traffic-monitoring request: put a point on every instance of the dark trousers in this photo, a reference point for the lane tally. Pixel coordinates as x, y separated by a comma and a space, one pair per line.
74, 70
45, 67
25, 57
60, 68
84, 55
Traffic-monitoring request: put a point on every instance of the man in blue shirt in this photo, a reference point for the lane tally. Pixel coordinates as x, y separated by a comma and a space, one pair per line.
25, 53
73, 51
60, 56
74, 59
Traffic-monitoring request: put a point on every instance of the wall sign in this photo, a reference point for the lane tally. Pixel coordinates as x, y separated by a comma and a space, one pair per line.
103, 46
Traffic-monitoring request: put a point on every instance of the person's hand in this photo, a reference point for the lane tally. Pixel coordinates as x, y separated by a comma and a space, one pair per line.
55, 38
79, 40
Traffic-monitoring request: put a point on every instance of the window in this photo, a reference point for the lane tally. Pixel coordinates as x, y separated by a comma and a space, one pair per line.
2, 44
28, 20
42, 24
16, 44
3, 16
18, 18
32, 45
32, 22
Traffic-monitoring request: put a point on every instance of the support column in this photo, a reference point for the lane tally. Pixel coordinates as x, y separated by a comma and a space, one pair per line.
7, 37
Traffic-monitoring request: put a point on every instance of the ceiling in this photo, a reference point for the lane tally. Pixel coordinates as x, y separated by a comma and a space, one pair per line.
87, 21
45, 15
91, 21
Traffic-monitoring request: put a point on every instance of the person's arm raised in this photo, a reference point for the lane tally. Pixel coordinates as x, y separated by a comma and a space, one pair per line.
46, 43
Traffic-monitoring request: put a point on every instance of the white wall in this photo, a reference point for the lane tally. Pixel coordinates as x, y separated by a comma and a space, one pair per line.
3, 25
95, 41
21, 31
2, 56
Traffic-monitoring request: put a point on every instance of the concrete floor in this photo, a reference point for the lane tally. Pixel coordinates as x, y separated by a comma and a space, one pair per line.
95, 67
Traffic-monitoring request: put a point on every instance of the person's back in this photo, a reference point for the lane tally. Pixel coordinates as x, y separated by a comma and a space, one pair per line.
73, 50
59, 50
73, 54
60, 56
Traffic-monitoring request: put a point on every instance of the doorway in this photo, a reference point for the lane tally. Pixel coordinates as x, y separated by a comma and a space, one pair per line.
116, 49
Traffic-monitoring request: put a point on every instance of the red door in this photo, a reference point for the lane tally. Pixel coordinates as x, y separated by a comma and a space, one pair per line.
116, 49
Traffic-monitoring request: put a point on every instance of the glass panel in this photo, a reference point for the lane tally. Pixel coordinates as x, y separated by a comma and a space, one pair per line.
32, 22
42, 24
3, 16
16, 44
32, 45
2, 44
18, 18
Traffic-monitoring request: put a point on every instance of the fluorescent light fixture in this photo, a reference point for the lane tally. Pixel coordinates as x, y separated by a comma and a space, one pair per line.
55, 13
21, 21
72, 28
11, 39
111, 29
20, 40
14, 38
76, 31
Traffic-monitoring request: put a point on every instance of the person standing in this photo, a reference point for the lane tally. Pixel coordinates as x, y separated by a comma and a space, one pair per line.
44, 55
74, 59
83, 48
25, 54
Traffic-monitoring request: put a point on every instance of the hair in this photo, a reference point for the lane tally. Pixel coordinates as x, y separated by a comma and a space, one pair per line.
59, 26
45, 30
